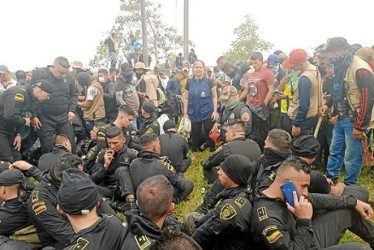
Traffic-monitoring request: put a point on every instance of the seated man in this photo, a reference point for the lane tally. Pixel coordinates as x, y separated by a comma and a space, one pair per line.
147, 224
149, 123
278, 225
228, 226
110, 165
175, 147
150, 163
78, 198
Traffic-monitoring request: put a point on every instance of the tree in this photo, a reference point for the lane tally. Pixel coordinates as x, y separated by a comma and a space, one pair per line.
247, 41
162, 38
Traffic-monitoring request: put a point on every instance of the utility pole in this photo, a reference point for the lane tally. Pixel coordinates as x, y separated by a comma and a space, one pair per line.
185, 33
144, 32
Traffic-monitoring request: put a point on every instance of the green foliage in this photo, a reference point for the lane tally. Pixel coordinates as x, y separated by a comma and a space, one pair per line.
247, 41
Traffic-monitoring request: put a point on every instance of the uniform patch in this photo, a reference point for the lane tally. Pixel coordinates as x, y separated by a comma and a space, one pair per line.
227, 212
142, 241
91, 152
168, 165
272, 175
133, 151
19, 98
101, 136
35, 196
39, 207
262, 213
240, 201
273, 235
81, 244
269, 228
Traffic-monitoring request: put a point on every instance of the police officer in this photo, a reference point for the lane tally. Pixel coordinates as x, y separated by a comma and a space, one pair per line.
15, 108
146, 225
149, 122
278, 225
56, 114
228, 226
149, 163
79, 198
111, 163
175, 147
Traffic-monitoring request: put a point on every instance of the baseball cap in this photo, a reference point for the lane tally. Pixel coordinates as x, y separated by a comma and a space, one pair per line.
336, 44
77, 193
126, 68
11, 177
168, 125
77, 65
149, 107
207, 69
44, 85
3, 69
297, 56
227, 92
273, 58
161, 70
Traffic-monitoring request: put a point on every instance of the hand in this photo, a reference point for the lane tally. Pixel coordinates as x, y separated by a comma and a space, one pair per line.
27, 121
214, 116
303, 208
326, 96
108, 157
21, 165
337, 189
357, 134
364, 210
333, 120
17, 142
36, 123
296, 131
323, 109
71, 116
186, 115
216, 126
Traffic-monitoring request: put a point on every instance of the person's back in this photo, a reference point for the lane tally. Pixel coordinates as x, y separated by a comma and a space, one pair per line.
47, 160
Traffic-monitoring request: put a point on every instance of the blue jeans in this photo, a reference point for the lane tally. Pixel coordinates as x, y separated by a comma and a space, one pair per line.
344, 147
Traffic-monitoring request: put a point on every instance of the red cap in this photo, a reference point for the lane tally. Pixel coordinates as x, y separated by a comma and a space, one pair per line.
297, 56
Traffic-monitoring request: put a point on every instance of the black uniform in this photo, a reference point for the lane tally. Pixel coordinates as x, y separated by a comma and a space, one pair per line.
149, 125
275, 227
14, 103
14, 215
47, 160
150, 164
52, 228
112, 178
228, 225
106, 233
175, 147
142, 232
53, 113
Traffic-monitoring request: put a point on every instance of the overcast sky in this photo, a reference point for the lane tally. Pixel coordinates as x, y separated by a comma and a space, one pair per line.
35, 32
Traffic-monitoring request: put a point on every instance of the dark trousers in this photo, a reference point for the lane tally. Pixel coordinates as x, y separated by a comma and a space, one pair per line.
186, 163
7, 150
196, 134
180, 195
49, 129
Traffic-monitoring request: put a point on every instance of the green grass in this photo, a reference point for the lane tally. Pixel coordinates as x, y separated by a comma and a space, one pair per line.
195, 174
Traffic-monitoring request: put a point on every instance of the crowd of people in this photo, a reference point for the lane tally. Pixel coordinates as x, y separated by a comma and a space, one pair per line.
78, 150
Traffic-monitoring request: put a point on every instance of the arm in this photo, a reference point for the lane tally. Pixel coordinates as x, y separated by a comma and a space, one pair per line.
99, 170
215, 159
270, 92
304, 86
12, 110
86, 104
185, 103
365, 83
244, 93
73, 93
215, 102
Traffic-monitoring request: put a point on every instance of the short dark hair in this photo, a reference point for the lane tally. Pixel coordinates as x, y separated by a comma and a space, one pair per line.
126, 109
294, 163
175, 241
146, 139
154, 190
111, 70
220, 58
113, 132
60, 139
280, 139
237, 126
99, 124
257, 56
66, 161
62, 61
20, 75
103, 71
228, 65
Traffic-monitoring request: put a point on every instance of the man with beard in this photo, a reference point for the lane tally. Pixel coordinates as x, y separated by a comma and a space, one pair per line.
353, 99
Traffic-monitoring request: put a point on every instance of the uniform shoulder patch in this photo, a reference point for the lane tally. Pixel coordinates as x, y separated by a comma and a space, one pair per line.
227, 212
168, 165
240, 201
272, 233
262, 213
92, 151
272, 175
35, 196
142, 241
133, 151
80, 244
101, 135
39, 207
19, 97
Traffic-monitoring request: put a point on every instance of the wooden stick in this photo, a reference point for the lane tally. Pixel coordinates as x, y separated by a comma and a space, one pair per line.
318, 126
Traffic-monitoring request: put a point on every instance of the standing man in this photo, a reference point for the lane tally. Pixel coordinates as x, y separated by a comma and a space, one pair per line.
258, 90
112, 50
15, 103
55, 115
109, 97
6, 80
352, 98
134, 49
307, 97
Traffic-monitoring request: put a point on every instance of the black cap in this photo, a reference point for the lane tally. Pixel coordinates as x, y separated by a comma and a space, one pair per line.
11, 177
149, 107
168, 125
305, 146
126, 69
77, 193
44, 85
238, 168
336, 44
